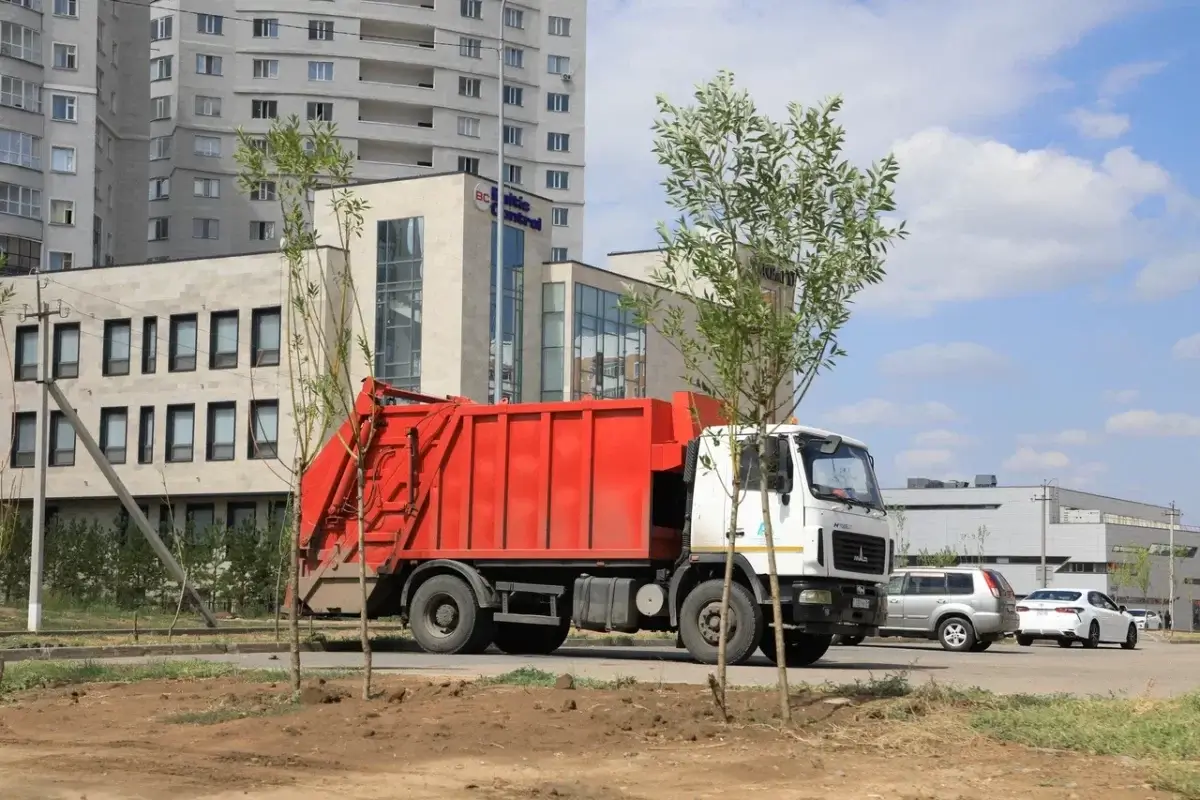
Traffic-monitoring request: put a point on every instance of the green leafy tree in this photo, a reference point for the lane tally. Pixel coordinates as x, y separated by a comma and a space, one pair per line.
764, 206
324, 320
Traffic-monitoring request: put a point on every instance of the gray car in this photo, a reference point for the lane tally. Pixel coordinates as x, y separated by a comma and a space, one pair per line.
964, 608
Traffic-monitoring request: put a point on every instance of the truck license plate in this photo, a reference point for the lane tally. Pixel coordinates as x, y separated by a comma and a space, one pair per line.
860, 602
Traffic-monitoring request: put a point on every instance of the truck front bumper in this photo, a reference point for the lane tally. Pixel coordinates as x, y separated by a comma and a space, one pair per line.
832, 606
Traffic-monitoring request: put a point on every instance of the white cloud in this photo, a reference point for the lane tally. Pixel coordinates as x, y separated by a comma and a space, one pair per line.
1168, 275
1153, 423
932, 459
1125, 78
1027, 460
1121, 397
1083, 476
942, 438
1187, 348
1098, 124
1072, 437
953, 359
885, 413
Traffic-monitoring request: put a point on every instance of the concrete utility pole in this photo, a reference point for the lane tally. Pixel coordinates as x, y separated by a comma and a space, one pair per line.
1172, 519
498, 305
37, 552
1044, 499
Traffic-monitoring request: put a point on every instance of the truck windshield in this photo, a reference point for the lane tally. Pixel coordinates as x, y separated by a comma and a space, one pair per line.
845, 474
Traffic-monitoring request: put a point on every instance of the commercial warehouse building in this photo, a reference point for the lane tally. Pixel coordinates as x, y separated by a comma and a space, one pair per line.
1087, 536
181, 368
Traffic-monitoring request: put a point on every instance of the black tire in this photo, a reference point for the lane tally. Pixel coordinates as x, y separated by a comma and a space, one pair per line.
848, 641
956, 634
445, 618
800, 649
1093, 639
516, 639
1065, 642
1024, 641
700, 618
979, 647
1131, 639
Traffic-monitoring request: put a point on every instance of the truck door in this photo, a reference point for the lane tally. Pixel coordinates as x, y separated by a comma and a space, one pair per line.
786, 526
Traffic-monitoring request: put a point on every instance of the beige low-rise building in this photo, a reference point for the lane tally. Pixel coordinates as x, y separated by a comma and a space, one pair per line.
181, 369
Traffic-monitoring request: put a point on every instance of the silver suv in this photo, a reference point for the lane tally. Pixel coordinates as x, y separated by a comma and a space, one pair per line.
964, 608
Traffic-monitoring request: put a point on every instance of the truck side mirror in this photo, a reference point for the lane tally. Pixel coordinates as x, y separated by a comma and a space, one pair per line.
784, 481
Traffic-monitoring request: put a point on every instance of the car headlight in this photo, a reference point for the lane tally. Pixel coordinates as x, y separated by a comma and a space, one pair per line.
821, 597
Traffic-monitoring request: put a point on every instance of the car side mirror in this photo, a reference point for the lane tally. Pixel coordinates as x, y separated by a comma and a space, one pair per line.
1122, 608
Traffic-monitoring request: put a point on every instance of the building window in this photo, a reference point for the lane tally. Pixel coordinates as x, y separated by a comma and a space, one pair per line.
470, 47
559, 26
208, 146
183, 343
26, 367
61, 260
200, 517
514, 17
206, 187
208, 106
553, 340
514, 95
512, 301
398, 301
21, 42
266, 68
470, 87
62, 159
558, 179
264, 190
514, 135
181, 429
265, 330
20, 149
210, 24
66, 56
114, 427
320, 70
558, 102
62, 212
610, 348
468, 164
66, 8
160, 188
161, 28
265, 28
241, 516
513, 173
560, 217
558, 65
62, 440
149, 345
558, 142
558, 254
205, 228
468, 126
223, 347
514, 57
320, 30
158, 229
322, 112
264, 109
160, 107
20, 201
208, 65
23, 254
63, 107
146, 435
264, 428
222, 424
160, 147
24, 442
117, 341
160, 68
66, 350
16, 93
262, 231
472, 9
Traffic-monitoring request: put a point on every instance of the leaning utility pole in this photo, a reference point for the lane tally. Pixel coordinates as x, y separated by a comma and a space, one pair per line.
41, 448
1044, 499
1173, 520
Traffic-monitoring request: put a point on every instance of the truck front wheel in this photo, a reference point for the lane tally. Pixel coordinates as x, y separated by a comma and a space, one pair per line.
800, 649
530, 640
700, 623
444, 617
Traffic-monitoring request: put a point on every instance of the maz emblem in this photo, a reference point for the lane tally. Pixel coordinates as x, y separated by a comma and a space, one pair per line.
861, 558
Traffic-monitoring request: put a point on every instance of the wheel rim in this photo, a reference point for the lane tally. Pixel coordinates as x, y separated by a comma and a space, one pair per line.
442, 616
710, 624
1132, 637
955, 634
1094, 634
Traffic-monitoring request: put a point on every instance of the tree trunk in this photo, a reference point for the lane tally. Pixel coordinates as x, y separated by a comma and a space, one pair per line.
766, 471
294, 604
364, 629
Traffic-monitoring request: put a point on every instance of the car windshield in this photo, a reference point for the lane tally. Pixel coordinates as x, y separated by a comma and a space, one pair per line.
845, 474
1054, 596
1137, 612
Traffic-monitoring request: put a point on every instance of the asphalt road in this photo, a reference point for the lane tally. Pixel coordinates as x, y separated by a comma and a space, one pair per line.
1155, 668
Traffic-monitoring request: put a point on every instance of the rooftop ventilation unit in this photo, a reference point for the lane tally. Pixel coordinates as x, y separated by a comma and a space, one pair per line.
957, 484
985, 481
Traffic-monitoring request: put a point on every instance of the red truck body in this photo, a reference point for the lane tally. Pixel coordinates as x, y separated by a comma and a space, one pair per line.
448, 478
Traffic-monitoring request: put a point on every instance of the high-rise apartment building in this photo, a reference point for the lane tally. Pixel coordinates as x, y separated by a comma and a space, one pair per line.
73, 130
411, 85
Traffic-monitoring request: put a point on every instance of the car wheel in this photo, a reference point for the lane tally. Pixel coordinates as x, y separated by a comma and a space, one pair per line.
1093, 639
1065, 642
801, 649
979, 647
848, 641
956, 634
1131, 639
1024, 641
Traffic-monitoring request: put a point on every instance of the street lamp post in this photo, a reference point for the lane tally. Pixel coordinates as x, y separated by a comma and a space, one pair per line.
498, 306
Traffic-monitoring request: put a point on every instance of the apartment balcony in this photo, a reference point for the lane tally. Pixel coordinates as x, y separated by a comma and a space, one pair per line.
384, 40
402, 83
396, 122
382, 159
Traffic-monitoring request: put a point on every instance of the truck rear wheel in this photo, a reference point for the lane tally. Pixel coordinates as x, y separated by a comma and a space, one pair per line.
444, 617
801, 649
700, 621
530, 640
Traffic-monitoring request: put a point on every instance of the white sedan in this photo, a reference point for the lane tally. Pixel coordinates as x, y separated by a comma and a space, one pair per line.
1147, 620
1075, 615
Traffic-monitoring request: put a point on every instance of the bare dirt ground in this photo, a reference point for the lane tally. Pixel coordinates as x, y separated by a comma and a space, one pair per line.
422, 739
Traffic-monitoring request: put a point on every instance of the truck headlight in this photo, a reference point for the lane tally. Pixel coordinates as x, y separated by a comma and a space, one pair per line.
817, 597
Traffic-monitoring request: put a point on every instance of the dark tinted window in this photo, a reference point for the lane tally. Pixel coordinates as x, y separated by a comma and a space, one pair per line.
960, 583
925, 584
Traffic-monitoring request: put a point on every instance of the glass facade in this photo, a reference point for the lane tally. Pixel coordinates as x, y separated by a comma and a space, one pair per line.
610, 348
553, 339
399, 275
514, 314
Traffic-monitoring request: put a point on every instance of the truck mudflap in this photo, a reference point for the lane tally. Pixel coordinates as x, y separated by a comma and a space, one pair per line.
832, 606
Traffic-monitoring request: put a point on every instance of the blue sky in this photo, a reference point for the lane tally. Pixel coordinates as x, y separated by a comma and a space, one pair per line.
1036, 325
